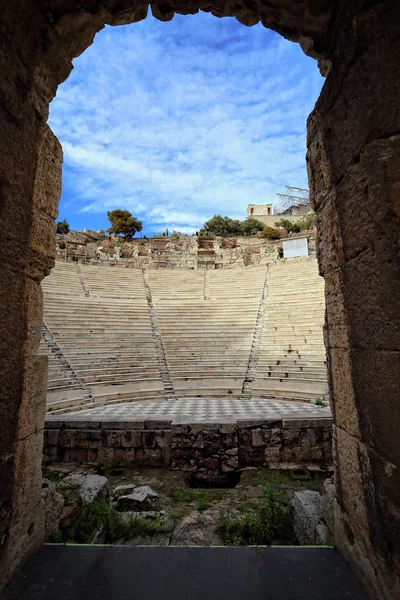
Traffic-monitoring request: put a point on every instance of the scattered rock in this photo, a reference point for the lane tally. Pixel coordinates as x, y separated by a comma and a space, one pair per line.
146, 514
197, 530
90, 487
140, 497
123, 490
53, 507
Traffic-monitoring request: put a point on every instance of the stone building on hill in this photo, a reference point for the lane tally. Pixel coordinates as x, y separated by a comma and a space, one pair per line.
265, 212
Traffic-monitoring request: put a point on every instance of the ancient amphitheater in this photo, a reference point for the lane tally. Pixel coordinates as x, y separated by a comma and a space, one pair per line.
199, 344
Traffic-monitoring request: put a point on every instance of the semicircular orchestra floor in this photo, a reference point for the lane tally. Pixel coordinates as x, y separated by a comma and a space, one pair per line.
206, 409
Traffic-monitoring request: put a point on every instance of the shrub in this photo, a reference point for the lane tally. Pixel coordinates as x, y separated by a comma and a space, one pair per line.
62, 227
271, 233
62, 246
175, 236
250, 226
319, 402
100, 515
268, 524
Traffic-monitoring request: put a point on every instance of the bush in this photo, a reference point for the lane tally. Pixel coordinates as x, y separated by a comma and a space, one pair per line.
309, 221
269, 524
306, 222
99, 515
62, 227
250, 227
62, 246
175, 236
271, 233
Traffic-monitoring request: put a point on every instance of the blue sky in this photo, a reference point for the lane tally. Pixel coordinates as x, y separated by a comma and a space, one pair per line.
179, 121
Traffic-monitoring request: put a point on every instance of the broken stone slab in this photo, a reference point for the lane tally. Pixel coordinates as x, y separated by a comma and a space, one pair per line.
197, 530
149, 515
140, 497
90, 487
123, 490
53, 507
306, 508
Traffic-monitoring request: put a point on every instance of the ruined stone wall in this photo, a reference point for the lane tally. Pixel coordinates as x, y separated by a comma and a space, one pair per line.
213, 447
354, 175
182, 253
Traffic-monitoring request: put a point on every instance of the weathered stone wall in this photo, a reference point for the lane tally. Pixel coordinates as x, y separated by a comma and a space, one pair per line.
212, 447
182, 253
354, 175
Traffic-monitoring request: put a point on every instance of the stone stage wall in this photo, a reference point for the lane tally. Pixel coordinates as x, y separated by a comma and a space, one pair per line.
214, 447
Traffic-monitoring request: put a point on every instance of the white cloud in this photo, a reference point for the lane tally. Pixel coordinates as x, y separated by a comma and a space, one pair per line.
179, 121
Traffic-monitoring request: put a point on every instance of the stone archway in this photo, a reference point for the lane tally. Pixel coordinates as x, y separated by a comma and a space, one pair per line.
354, 171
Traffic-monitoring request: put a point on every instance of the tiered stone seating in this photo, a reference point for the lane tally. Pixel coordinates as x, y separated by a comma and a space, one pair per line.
291, 362
210, 327
63, 280
207, 344
57, 376
176, 284
114, 282
235, 283
108, 344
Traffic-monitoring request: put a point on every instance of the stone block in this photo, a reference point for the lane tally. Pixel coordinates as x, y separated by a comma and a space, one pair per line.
307, 514
228, 427
272, 455
257, 438
291, 437
151, 424
111, 439
163, 439
302, 454
66, 438
105, 455
81, 424
131, 439
51, 437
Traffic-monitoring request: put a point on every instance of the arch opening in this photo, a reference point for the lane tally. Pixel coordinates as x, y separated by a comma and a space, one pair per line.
353, 152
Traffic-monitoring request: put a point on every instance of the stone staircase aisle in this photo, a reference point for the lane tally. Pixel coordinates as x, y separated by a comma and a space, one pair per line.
83, 281
63, 366
162, 362
255, 346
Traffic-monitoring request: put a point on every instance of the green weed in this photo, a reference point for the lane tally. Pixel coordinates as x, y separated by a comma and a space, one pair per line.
320, 402
99, 515
269, 524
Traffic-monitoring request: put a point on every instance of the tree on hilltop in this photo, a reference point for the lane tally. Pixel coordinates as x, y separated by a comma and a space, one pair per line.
62, 227
219, 225
123, 223
225, 226
251, 226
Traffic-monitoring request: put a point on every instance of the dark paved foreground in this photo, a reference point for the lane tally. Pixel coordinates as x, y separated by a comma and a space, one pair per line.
122, 573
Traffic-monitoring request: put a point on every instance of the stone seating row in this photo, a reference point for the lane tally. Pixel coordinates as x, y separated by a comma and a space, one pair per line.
207, 344
105, 342
234, 283
207, 341
291, 362
63, 280
114, 282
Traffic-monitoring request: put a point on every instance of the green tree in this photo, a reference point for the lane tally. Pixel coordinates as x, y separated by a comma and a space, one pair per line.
290, 226
251, 226
122, 222
62, 227
219, 225
271, 233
